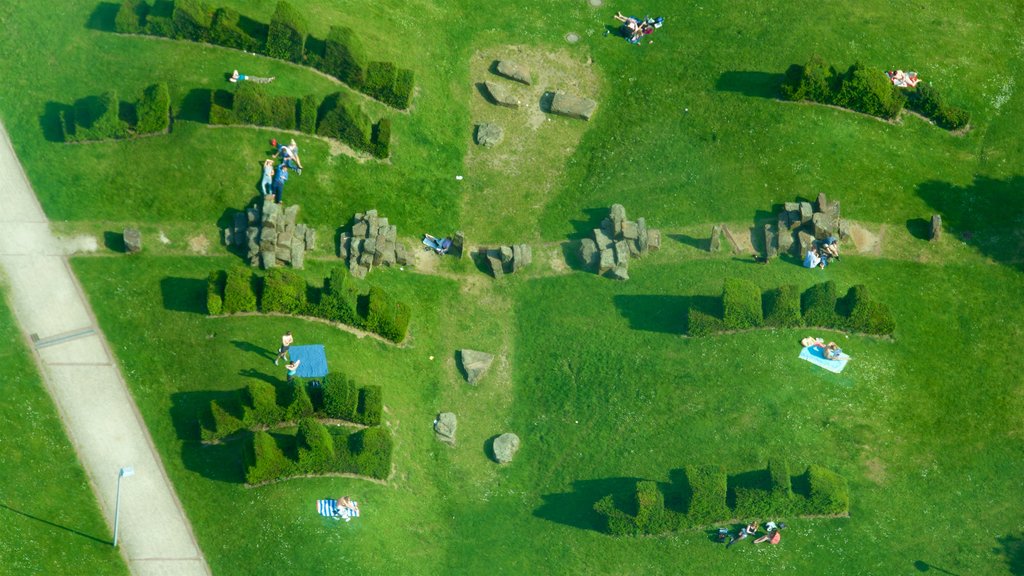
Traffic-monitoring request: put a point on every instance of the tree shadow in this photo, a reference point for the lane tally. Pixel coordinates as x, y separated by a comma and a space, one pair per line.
103, 17
584, 228
54, 115
654, 312
184, 294
919, 228
55, 525
196, 105
1011, 549
702, 244
576, 508
258, 350
751, 83
114, 241
985, 214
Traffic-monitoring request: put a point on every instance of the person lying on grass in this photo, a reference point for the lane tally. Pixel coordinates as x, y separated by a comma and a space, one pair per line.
833, 351
830, 247
773, 536
749, 530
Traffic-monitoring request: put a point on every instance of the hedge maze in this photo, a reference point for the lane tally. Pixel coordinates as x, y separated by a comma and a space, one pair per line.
869, 91
285, 291
708, 496
743, 306
286, 37
106, 117
314, 448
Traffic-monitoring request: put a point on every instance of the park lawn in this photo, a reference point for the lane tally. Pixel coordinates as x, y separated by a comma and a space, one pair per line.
50, 522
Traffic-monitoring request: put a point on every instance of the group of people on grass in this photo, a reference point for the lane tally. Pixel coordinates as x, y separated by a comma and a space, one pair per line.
902, 79
772, 534
830, 351
822, 252
634, 29
274, 179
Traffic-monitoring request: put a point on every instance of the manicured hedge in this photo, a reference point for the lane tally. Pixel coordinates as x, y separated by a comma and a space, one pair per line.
225, 31
341, 118
222, 104
224, 424
265, 460
153, 110
818, 306
617, 522
865, 314
286, 38
700, 323
239, 295
386, 316
130, 16
651, 515
262, 408
214, 292
870, 92
299, 405
371, 406
284, 290
380, 145
830, 494
782, 307
341, 399
815, 81
373, 447
708, 491
316, 447
344, 57
308, 107
96, 118
927, 101
337, 301
741, 304
191, 20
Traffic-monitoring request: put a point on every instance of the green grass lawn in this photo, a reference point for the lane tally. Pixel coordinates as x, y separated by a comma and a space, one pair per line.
594, 376
49, 520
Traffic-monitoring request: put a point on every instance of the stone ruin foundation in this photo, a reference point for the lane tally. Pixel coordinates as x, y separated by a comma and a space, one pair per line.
617, 241
270, 235
373, 242
507, 259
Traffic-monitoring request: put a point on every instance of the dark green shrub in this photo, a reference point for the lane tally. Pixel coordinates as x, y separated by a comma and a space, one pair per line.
814, 81
225, 31
708, 492
284, 290
337, 302
191, 20
782, 307
262, 408
870, 92
371, 406
224, 424
215, 292
619, 523
700, 323
154, 110
380, 78
252, 105
286, 38
926, 100
340, 397
161, 26
952, 118
752, 502
741, 304
865, 314
316, 447
780, 481
401, 92
265, 460
238, 292
385, 316
343, 57
284, 112
373, 452
222, 105
308, 106
130, 16
341, 118
98, 118
829, 494
818, 306
651, 515
300, 406
381, 139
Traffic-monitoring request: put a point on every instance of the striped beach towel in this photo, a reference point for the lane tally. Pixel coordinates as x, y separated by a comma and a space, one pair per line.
331, 509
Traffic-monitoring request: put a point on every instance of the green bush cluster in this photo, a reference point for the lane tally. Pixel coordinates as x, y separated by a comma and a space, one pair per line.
318, 450
286, 37
818, 306
341, 117
284, 291
316, 446
770, 495
343, 401
372, 451
308, 107
337, 300
741, 304
386, 316
782, 307
239, 295
214, 292
868, 91
105, 117
701, 323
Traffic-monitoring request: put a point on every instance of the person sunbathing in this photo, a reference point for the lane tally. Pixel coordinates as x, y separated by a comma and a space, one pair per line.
346, 502
833, 351
749, 530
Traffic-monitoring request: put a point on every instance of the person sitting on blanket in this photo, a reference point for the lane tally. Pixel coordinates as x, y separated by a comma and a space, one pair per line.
903, 79
773, 536
346, 502
833, 351
749, 530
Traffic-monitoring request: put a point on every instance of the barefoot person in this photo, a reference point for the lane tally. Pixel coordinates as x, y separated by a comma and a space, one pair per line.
282, 352
293, 369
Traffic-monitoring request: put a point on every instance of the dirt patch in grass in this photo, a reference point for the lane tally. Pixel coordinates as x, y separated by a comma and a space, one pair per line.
875, 470
199, 244
866, 241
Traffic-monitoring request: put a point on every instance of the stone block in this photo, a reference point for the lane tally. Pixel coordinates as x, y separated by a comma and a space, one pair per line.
474, 364
791, 206
228, 236
488, 134
606, 260
309, 238
603, 241
935, 234
370, 245
823, 225
501, 96
527, 255
496, 268
359, 271
290, 213
269, 259
284, 253
806, 241
822, 203
619, 272
716, 239
343, 241
630, 230
506, 254
298, 254
573, 106
771, 248
132, 240
366, 259
505, 447
284, 238
268, 234
392, 233
401, 255
588, 254
806, 212
785, 240
653, 240
445, 426
622, 252
634, 248
517, 257
359, 229
513, 71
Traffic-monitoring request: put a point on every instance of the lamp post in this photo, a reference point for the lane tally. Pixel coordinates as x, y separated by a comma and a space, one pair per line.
122, 473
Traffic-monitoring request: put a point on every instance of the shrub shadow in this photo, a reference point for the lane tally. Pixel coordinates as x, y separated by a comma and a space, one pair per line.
114, 241
583, 228
751, 83
103, 17
50, 121
184, 294
919, 228
221, 462
196, 106
571, 254
702, 244
576, 508
1011, 549
654, 312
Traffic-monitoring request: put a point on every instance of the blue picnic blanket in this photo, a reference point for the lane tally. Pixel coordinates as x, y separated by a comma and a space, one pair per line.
816, 355
331, 509
314, 360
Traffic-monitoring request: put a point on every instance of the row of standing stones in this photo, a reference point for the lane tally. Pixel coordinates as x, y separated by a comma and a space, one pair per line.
507, 259
501, 94
617, 241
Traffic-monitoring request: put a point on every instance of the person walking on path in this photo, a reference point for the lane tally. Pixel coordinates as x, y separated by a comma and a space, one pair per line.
282, 352
278, 186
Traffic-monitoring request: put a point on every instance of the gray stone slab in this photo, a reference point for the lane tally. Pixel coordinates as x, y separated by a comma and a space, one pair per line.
514, 71
573, 106
501, 95
474, 364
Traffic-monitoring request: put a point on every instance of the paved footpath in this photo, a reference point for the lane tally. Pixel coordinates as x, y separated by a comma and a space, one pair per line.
101, 418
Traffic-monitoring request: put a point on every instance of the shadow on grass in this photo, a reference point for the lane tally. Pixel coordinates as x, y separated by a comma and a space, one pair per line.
753, 479
985, 214
571, 254
196, 106
114, 241
102, 18
576, 508
489, 448
919, 228
258, 350
662, 313
190, 411
55, 525
751, 83
50, 121
184, 294
702, 244
922, 566
584, 228
1011, 549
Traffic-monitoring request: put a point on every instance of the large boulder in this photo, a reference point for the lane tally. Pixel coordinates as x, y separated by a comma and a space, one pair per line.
444, 426
505, 447
489, 135
132, 240
513, 71
588, 253
501, 95
573, 106
475, 364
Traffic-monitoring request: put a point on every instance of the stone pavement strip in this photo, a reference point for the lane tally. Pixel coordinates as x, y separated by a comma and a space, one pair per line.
99, 413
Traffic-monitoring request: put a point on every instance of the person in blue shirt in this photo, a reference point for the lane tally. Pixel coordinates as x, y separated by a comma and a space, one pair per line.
812, 260
278, 186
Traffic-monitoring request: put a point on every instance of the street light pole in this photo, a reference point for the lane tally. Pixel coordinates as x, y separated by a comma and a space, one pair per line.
122, 473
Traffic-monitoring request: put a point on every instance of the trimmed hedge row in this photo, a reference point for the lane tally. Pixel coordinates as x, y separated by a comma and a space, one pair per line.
868, 91
706, 495
105, 117
339, 116
286, 37
743, 307
318, 450
285, 291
